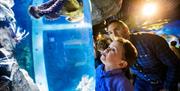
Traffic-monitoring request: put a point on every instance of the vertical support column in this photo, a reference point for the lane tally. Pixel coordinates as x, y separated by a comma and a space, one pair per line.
38, 52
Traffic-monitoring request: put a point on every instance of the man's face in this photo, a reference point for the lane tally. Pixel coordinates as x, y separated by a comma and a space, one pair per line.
116, 30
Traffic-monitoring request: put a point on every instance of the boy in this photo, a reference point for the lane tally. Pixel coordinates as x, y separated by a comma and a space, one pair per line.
110, 76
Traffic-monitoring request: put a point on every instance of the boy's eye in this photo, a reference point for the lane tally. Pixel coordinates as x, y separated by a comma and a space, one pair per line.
113, 49
110, 49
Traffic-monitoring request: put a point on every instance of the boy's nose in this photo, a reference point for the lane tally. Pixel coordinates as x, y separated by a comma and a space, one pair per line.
101, 51
104, 52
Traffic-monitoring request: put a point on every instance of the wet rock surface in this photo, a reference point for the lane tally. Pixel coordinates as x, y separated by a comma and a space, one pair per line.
18, 80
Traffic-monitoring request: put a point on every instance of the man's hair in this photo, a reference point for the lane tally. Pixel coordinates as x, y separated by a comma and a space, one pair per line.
108, 22
130, 51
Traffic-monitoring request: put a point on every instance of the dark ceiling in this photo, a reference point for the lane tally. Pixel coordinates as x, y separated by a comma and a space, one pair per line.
130, 9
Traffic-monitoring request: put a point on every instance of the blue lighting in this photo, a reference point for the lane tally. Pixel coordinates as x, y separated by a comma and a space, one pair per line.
63, 53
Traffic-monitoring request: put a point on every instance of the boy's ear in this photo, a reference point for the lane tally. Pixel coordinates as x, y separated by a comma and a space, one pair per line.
123, 64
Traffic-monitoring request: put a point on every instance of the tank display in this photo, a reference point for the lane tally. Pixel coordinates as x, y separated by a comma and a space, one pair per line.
63, 52
52, 45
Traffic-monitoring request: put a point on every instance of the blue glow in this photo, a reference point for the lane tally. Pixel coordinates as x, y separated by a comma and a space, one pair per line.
172, 28
63, 53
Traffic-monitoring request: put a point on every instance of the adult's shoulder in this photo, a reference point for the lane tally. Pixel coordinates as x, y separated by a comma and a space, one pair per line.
146, 36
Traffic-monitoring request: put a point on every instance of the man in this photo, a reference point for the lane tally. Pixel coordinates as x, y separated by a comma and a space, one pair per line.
156, 66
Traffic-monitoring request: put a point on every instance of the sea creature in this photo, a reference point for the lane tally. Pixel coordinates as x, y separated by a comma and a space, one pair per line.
53, 9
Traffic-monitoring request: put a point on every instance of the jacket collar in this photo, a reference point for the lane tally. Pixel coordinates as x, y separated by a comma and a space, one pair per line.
103, 73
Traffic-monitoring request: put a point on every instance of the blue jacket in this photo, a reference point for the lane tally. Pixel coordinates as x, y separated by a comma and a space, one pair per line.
114, 80
156, 63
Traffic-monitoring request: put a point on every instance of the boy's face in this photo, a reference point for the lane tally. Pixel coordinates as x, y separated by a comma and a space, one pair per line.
113, 54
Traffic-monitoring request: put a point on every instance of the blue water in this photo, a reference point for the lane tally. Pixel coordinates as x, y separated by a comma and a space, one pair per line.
63, 53
57, 54
23, 51
68, 57
171, 28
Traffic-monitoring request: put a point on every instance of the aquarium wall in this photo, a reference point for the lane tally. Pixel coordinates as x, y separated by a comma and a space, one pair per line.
63, 52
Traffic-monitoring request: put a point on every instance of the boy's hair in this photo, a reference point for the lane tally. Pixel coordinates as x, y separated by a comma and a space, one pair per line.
130, 51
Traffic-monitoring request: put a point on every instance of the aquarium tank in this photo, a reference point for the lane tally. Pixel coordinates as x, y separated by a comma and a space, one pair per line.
58, 52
